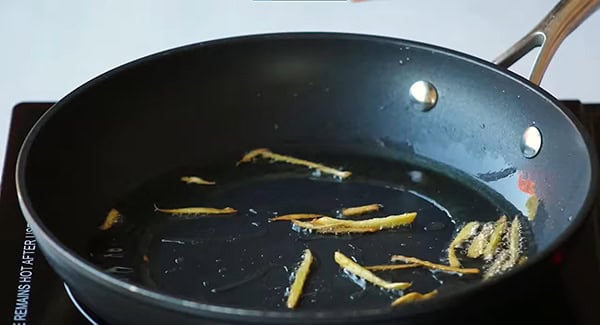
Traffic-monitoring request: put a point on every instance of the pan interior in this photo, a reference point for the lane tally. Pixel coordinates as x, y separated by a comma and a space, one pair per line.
348, 94
243, 260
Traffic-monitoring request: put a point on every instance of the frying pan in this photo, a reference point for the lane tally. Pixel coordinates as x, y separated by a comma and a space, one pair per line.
422, 128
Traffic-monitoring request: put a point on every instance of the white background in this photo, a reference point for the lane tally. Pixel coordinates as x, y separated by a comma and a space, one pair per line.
47, 48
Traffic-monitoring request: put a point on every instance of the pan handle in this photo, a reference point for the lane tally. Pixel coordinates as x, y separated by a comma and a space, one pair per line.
549, 33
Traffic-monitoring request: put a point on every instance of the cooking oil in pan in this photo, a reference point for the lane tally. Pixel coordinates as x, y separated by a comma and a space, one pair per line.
245, 260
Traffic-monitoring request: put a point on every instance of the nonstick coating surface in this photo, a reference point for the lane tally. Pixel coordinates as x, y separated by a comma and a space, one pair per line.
340, 94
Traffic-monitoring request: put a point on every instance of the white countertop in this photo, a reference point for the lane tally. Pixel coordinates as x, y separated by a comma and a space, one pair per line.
49, 47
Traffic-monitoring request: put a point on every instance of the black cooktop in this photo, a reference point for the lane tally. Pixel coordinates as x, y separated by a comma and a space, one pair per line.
31, 293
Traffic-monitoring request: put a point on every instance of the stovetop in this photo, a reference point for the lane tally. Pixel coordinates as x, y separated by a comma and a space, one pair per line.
31, 293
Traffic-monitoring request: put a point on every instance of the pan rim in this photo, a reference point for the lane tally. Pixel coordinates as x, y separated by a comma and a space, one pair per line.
195, 308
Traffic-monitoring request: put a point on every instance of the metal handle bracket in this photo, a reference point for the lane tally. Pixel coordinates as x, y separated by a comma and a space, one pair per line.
548, 34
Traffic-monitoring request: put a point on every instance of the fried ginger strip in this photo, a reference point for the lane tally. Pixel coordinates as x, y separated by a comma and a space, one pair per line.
435, 266
496, 237
499, 264
111, 219
480, 241
297, 216
356, 269
414, 296
514, 241
346, 212
267, 154
332, 229
503, 259
299, 280
391, 221
532, 204
333, 225
391, 267
363, 209
196, 180
196, 210
462, 235
251, 155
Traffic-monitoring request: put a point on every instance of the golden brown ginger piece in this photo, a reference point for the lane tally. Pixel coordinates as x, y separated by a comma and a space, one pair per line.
267, 154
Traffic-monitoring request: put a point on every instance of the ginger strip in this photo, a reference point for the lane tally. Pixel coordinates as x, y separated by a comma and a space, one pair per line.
356, 269
299, 279
326, 229
112, 218
250, 156
414, 296
196, 180
514, 241
333, 225
427, 264
532, 205
499, 264
267, 154
462, 235
196, 210
355, 211
297, 216
392, 267
496, 237
391, 221
480, 242
503, 259
342, 230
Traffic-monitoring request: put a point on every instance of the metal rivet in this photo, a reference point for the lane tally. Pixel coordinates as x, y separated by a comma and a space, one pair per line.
531, 142
424, 94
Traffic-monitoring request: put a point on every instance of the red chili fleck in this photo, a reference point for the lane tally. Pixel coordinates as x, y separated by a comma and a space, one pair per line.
526, 185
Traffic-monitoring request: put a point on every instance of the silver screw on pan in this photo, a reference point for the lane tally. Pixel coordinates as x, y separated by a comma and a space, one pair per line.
424, 94
531, 142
